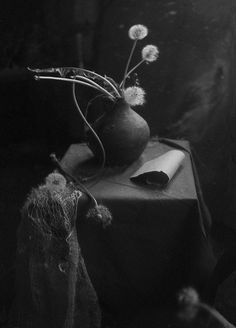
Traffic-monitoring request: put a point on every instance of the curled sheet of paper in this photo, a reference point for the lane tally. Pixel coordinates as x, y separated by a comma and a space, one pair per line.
159, 170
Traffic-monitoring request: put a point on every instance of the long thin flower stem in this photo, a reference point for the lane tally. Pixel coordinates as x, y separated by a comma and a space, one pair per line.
127, 65
94, 133
84, 78
58, 70
134, 68
72, 178
38, 77
104, 79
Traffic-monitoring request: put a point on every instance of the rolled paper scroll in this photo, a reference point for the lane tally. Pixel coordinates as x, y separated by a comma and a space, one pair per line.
159, 170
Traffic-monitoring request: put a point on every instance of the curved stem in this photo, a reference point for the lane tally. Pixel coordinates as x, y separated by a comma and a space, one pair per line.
104, 79
72, 178
134, 68
84, 78
94, 133
127, 65
89, 103
75, 81
58, 69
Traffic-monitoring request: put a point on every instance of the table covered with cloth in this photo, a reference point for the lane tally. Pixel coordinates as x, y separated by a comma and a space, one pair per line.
157, 241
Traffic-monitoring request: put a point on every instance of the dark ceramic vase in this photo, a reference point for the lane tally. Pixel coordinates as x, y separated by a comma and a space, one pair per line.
123, 133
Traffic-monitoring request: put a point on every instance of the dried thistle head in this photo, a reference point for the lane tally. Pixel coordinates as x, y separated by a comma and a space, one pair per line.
55, 182
138, 32
188, 296
188, 299
100, 213
134, 96
150, 53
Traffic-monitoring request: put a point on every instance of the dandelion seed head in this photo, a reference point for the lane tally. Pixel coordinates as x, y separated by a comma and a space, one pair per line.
134, 96
150, 53
55, 182
138, 32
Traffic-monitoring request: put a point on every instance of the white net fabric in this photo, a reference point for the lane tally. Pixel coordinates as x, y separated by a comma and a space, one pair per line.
53, 286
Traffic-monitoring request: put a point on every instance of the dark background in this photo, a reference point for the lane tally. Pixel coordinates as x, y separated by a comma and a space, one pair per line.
190, 92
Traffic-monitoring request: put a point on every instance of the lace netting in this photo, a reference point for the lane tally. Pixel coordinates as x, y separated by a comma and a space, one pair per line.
52, 283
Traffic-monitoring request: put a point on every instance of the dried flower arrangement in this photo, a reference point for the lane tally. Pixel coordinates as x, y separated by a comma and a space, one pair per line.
129, 149
133, 95
57, 187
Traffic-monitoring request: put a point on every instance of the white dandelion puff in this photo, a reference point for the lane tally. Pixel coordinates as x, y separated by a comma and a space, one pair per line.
138, 32
150, 53
55, 182
134, 96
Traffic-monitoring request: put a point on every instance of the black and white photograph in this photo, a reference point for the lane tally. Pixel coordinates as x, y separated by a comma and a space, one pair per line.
118, 164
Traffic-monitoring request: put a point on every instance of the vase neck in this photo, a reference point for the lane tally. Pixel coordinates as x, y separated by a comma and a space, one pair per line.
121, 103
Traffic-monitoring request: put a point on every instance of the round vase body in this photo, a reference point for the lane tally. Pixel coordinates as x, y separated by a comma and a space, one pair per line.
123, 133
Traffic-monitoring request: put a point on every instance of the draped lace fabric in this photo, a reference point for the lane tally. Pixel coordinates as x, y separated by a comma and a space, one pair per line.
52, 283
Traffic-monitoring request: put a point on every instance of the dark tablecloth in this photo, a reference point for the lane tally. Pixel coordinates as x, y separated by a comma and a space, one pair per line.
156, 242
